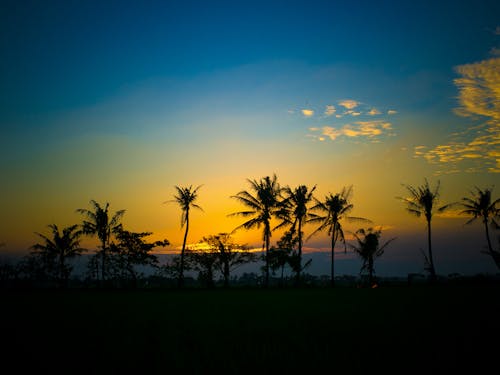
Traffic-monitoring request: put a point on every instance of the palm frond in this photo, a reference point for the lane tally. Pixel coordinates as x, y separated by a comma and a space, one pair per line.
242, 213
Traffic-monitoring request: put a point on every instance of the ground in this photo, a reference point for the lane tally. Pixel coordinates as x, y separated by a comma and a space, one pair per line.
418, 329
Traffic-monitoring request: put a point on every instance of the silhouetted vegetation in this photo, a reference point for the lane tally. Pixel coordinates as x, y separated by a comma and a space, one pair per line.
228, 254
332, 210
186, 196
99, 224
125, 258
369, 249
294, 213
53, 253
423, 201
129, 252
480, 205
262, 207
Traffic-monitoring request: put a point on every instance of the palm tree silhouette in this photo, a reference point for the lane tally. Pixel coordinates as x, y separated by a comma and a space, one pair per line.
99, 224
422, 201
262, 207
369, 249
480, 205
58, 249
332, 211
294, 212
186, 196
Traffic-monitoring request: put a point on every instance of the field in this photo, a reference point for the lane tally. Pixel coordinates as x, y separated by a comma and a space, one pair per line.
444, 329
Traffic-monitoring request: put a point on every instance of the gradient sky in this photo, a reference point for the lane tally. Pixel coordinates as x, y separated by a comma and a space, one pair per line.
119, 101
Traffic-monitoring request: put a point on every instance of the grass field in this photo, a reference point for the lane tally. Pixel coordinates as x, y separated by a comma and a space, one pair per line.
345, 330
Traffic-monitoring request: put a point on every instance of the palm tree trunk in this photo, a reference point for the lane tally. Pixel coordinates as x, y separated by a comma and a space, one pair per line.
431, 261
299, 266
266, 283
490, 248
334, 239
181, 271
495, 255
103, 261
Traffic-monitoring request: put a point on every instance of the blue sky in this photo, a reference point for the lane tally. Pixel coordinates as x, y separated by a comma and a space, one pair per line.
118, 101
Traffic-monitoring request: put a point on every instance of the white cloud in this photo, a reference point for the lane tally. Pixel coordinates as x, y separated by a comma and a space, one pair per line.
391, 112
308, 112
349, 103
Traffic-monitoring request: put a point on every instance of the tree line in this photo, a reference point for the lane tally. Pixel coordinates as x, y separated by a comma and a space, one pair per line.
121, 253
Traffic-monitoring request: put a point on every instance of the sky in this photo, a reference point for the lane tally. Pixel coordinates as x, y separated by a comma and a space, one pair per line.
120, 101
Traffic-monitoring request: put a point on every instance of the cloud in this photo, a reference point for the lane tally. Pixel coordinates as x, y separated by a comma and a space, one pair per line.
479, 100
308, 112
352, 113
330, 110
349, 103
391, 112
373, 112
365, 129
479, 89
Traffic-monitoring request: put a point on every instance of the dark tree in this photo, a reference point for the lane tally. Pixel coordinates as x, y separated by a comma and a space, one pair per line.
100, 224
423, 201
230, 255
186, 196
56, 250
262, 207
331, 212
130, 252
480, 205
369, 249
204, 262
295, 214
286, 254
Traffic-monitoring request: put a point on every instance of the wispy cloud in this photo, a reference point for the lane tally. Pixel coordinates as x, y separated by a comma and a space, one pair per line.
374, 112
307, 112
391, 112
479, 100
364, 129
349, 103
330, 110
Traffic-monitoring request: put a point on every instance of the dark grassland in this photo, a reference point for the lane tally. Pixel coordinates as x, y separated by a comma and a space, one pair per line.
421, 329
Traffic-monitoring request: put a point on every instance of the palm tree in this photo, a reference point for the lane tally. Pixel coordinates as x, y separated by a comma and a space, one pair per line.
480, 205
186, 196
332, 211
261, 208
61, 247
99, 224
295, 213
423, 201
369, 249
